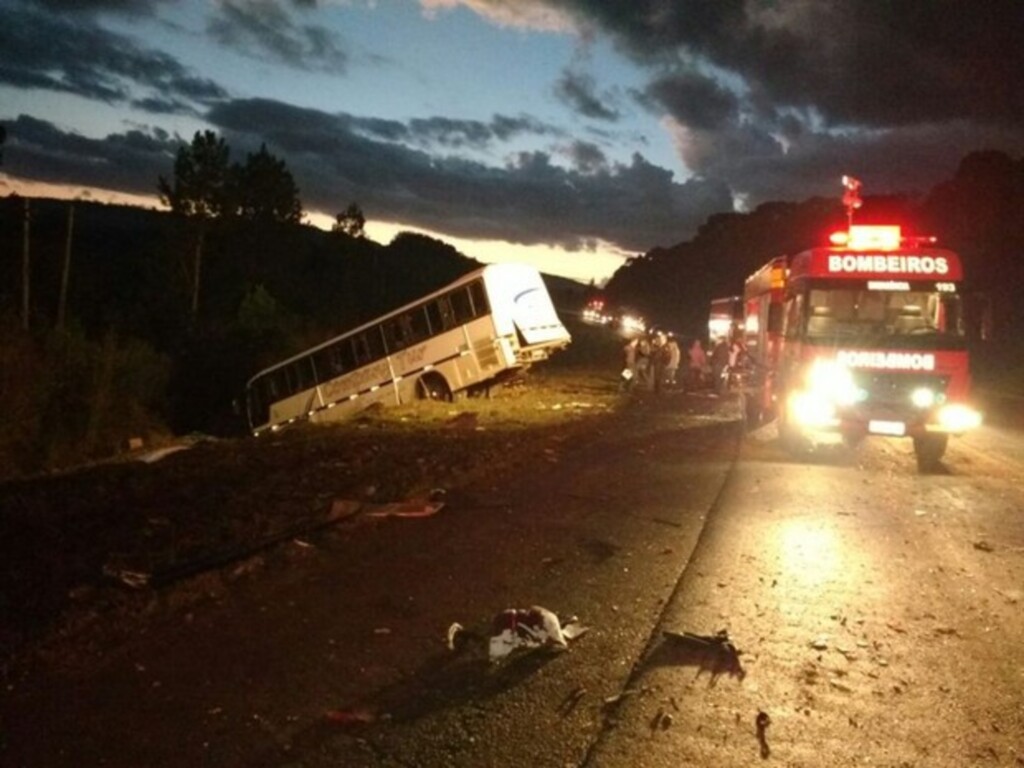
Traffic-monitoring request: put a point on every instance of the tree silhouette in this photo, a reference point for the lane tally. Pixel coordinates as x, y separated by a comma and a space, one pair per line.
351, 221
265, 190
201, 192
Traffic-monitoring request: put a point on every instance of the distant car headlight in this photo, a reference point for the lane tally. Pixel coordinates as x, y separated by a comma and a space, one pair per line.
957, 417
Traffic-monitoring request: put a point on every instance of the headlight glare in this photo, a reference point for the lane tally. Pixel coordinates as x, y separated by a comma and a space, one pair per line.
957, 417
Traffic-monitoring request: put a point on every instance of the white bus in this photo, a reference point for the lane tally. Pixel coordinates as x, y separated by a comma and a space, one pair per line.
484, 327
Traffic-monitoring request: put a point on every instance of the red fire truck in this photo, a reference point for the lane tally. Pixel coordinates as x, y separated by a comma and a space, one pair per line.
866, 336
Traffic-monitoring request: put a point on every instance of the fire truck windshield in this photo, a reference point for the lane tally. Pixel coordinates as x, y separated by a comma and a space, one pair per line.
900, 315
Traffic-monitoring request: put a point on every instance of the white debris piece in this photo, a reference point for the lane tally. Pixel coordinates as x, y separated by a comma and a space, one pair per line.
535, 627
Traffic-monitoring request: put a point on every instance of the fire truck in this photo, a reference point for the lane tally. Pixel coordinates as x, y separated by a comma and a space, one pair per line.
864, 336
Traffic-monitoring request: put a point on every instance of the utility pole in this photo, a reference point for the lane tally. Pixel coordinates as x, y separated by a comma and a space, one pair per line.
65, 270
25, 282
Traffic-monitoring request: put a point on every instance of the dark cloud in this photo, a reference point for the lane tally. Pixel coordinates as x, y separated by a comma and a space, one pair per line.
818, 84
579, 92
74, 55
692, 99
257, 28
127, 162
587, 157
529, 201
92, 7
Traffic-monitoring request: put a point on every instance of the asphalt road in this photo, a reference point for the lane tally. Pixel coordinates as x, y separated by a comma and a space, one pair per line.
876, 614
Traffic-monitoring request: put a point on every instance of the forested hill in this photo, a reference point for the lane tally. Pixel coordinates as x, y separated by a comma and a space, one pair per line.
979, 213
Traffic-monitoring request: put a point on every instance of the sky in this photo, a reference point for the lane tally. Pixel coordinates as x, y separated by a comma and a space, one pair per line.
572, 134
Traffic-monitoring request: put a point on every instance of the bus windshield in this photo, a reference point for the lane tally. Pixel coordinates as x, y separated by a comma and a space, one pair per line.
922, 318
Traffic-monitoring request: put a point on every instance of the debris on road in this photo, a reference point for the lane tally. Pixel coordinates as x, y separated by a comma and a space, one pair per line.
761, 722
517, 629
711, 653
349, 716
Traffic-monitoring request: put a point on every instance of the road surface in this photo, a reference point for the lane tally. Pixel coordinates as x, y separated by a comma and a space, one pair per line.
876, 614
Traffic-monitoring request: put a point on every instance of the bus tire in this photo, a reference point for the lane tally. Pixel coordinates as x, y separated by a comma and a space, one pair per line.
929, 450
432, 386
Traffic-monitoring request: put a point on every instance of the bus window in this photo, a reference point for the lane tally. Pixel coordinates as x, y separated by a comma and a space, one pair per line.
368, 346
333, 361
432, 310
419, 328
462, 305
444, 308
300, 375
479, 298
396, 333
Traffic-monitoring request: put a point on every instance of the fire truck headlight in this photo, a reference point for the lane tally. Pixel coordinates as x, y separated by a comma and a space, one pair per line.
828, 379
957, 417
922, 397
810, 409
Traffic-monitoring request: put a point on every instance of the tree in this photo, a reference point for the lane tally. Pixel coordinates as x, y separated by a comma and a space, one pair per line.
201, 191
265, 190
350, 222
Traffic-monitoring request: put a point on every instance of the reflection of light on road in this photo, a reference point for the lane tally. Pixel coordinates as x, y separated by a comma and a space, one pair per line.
810, 552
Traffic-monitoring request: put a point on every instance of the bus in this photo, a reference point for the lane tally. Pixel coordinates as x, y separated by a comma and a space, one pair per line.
485, 327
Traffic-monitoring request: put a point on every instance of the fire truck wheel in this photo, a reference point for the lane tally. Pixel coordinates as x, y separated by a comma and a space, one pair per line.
929, 450
432, 386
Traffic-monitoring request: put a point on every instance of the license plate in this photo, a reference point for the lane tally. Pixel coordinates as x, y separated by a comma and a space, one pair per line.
887, 427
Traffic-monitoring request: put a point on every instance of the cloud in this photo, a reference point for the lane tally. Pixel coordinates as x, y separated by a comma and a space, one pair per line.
579, 92
537, 15
73, 54
126, 162
257, 28
692, 99
530, 200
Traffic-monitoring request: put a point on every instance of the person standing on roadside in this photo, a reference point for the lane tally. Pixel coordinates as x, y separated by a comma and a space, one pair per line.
643, 363
719, 364
697, 365
673, 357
659, 360
629, 353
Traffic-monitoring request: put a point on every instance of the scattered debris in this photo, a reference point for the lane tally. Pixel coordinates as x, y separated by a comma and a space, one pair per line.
349, 716
761, 722
572, 700
127, 576
712, 653
517, 629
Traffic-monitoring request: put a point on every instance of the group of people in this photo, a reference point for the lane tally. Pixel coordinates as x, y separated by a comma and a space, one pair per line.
652, 363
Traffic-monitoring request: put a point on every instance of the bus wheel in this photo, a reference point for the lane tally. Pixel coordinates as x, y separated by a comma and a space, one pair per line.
929, 449
432, 386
